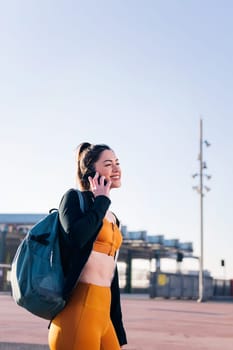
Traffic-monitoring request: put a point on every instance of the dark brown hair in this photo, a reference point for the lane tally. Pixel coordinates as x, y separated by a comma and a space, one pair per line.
86, 157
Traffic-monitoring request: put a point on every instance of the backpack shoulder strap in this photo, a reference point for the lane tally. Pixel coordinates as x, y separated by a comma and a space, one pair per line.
81, 200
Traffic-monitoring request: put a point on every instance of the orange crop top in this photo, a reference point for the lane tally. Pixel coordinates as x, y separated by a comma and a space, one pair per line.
109, 239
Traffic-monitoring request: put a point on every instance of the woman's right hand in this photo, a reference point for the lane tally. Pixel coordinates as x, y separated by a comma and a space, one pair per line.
98, 185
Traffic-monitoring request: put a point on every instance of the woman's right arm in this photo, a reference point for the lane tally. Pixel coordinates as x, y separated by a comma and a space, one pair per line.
81, 227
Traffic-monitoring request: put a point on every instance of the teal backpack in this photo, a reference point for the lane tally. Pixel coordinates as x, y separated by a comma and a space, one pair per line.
37, 278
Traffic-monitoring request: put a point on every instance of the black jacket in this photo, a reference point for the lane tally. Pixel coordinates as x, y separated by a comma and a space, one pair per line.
78, 232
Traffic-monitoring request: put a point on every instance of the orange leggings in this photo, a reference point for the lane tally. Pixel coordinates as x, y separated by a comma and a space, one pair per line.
85, 324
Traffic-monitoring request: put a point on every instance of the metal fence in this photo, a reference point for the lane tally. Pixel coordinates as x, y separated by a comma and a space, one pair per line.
177, 285
223, 288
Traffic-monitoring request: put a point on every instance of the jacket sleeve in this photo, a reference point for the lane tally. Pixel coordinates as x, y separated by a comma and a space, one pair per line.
116, 314
73, 220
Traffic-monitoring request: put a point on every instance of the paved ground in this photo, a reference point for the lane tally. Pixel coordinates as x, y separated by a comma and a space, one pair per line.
151, 324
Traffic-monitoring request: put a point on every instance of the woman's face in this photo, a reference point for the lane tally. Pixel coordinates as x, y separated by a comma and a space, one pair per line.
108, 165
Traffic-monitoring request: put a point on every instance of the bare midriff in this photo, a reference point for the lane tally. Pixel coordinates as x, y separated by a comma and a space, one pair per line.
98, 270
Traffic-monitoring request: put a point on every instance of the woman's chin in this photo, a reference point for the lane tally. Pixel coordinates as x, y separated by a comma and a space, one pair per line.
116, 184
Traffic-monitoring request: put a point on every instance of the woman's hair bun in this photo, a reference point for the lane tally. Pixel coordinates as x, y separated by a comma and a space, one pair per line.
82, 147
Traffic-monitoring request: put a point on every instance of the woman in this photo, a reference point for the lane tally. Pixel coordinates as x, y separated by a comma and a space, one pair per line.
92, 318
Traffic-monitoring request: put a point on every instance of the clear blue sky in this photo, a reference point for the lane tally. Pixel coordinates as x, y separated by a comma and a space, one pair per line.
136, 75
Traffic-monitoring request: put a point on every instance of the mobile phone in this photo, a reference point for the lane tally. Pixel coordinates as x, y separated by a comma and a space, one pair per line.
92, 174
105, 181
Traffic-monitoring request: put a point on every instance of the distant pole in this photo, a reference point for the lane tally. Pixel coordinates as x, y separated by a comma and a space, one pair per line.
201, 279
200, 191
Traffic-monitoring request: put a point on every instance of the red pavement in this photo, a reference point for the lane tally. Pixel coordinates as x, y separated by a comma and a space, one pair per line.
151, 324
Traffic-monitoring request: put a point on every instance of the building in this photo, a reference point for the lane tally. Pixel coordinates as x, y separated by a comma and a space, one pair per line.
13, 228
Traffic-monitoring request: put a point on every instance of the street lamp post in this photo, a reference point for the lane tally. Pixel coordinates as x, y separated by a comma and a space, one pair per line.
200, 191
201, 279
